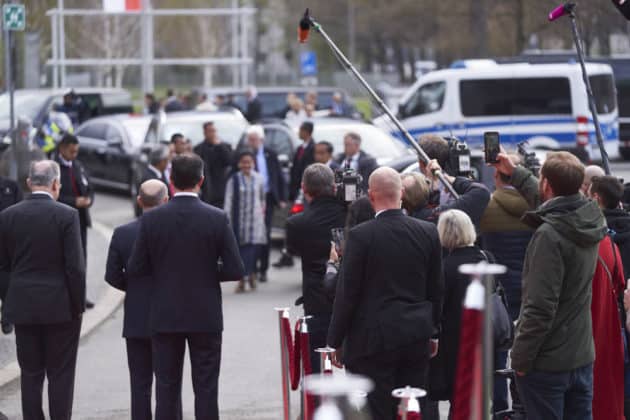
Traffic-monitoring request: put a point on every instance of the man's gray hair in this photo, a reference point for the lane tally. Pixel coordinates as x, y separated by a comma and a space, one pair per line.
158, 154
43, 173
319, 180
354, 137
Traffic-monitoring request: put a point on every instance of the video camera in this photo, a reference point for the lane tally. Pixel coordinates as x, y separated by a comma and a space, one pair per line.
530, 160
458, 163
348, 184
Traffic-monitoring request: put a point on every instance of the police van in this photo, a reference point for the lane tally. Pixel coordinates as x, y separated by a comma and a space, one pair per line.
545, 105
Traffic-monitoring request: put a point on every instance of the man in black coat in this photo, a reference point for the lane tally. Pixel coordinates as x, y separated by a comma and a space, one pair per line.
136, 329
356, 158
40, 247
304, 156
217, 159
187, 248
309, 236
389, 300
268, 166
10, 194
76, 189
253, 113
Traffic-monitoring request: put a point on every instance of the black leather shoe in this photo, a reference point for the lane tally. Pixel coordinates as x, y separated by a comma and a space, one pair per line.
7, 329
89, 304
285, 260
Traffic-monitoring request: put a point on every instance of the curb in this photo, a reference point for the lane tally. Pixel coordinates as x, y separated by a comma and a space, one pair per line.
92, 319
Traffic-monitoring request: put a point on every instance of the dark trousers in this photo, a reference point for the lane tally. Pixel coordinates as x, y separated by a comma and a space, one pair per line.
84, 240
47, 351
266, 249
557, 395
390, 370
317, 333
205, 361
500, 397
4, 288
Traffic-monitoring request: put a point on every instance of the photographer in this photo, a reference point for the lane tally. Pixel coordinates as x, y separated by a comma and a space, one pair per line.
309, 236
473, 197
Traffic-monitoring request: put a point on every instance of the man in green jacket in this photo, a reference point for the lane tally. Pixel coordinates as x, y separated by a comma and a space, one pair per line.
553, 350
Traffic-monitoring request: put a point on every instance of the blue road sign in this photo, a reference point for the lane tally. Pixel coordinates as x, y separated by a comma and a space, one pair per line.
308, 63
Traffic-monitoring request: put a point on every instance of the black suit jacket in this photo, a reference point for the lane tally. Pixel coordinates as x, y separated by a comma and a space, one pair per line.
367, 165
179, 247
10, 193
309, 236
217, 159
277, 186
85, 188
298, 167
392, 289
138, 291
40, 246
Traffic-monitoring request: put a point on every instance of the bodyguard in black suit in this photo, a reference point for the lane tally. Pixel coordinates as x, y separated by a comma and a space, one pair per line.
179, 247
10, 194
40, 246
136, 329
389, 299
357, 159
268, 166
304, 156
309, 236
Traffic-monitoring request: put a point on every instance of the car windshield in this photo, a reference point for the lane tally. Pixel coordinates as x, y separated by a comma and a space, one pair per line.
25, 104
137, 129
373, 141
229, 130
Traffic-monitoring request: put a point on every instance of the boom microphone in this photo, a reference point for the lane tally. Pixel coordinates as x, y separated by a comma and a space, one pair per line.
623, 6
304, 28
560, 11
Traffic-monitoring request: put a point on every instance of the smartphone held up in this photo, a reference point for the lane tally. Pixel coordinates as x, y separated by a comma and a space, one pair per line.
492, 146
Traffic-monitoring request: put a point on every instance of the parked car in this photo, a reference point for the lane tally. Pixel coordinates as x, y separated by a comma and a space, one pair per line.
274, 99
230, 125
114, 150
36, 104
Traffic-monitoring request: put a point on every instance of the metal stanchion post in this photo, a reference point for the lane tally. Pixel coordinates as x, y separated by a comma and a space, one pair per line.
409, 407
338, 394
306, 353
485, 273
325, 362
283, 313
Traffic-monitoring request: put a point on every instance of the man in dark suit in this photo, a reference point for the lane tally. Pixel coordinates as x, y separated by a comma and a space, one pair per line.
10, 194
304, 156
309, 236
356, 158
187, 248
217, 159
76, 188
389, 299
268, 166
46, 296
136, 329
253, 113
324, 154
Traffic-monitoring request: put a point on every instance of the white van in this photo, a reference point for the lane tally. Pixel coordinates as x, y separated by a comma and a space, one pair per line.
543, 104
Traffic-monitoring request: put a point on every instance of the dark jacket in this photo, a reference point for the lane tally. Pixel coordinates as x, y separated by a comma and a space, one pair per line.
367, 165
217, 159
253, 114
298, 167
443, 365
554, 332
179, 247
618, 221
505, 236
391, 291
309, 236
138, 291
83, 185
277, 186
473, 200
10, 193
40, 246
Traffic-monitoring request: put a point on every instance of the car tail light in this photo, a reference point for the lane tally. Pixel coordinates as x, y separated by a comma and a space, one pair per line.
582, 138
297, 208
